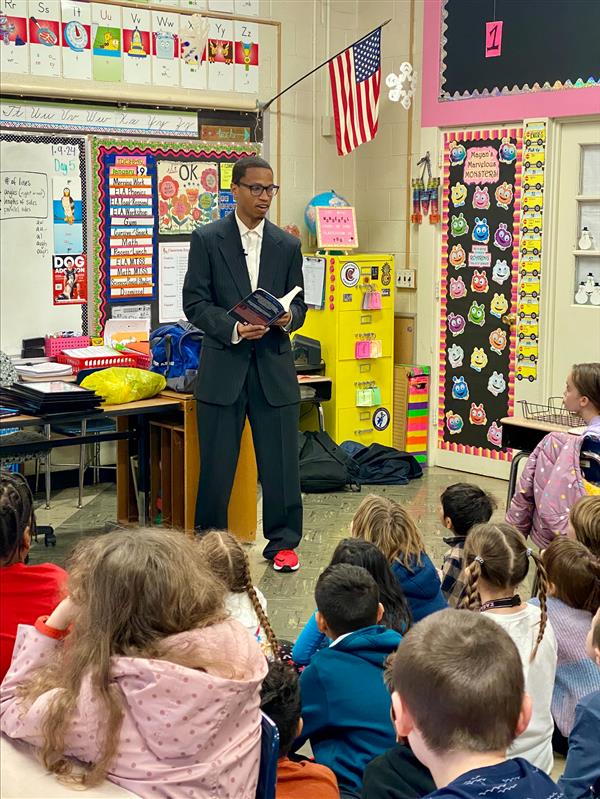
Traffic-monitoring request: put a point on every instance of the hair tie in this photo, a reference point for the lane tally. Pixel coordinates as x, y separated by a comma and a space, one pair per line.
479, 559
529, 552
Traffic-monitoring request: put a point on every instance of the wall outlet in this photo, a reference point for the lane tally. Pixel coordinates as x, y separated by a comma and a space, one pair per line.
405, 279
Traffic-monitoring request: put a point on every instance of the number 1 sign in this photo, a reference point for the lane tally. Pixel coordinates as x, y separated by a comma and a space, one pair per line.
493, 39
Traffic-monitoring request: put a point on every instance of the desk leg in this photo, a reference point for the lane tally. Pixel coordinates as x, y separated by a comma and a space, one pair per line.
47, 467
143, 427
321, 417
514, 471
82, 449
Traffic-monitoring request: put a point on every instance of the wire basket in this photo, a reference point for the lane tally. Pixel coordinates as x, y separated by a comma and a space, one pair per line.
554, 412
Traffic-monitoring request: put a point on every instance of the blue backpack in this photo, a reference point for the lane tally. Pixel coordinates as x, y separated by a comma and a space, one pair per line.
176, 354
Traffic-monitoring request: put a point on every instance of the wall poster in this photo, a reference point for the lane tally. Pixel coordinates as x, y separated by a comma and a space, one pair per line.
480, 259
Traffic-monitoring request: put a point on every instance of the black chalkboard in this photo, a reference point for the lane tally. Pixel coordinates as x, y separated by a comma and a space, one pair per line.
543, 41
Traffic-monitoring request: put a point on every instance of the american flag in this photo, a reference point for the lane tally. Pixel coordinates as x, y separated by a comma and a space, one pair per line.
355, 80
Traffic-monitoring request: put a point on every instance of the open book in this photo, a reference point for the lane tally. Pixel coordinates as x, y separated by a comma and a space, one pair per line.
262, 308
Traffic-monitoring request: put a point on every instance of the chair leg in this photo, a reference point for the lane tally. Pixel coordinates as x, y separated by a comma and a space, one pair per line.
96, 463
82, 448
47, 466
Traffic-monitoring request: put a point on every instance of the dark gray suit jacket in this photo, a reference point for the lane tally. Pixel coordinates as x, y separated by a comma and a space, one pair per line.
216, 280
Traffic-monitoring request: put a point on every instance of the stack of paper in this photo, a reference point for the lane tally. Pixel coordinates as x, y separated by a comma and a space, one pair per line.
34, 372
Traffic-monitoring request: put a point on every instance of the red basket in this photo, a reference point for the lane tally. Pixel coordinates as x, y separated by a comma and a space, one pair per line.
53, 346
102, 362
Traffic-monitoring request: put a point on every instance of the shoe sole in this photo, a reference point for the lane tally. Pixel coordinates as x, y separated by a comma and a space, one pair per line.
286, 568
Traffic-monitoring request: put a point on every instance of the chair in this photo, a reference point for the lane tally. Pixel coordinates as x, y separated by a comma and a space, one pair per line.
589, 459
269, 753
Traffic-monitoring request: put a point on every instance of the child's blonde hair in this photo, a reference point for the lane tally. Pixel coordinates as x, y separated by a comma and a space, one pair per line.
574, 573
586, 379
228, 561
388, 525
585, 521
498, 553
132, 590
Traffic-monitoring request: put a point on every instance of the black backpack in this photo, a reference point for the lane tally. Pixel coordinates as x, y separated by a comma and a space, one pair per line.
324, 466
381, 465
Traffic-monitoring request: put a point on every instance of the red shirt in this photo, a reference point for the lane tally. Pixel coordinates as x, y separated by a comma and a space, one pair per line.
305, 780
26, 592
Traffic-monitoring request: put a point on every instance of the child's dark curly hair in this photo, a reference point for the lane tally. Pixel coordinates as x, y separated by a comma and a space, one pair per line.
280, 700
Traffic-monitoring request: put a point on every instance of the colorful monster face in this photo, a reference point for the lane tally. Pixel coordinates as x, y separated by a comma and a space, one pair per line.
496, 384
458, 225
457, 256
457, 154
507, 152
477, 414
456, 356
481, 231
454, 423
502, 237
458, 194
500, 272
479, 282
478, 359
494, 434
477, 313
457, 288
456, 324
481, 198
498, 341
498, 305
460, 388
504, 195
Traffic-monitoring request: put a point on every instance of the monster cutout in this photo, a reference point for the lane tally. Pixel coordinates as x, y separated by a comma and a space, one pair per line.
458, 194
458, 225
477, 414
481, 198
457, 256
477, 313
479, 282
454, 423
502, 237
507, 153
481, 231
494, 434
498, 305
478, 359
457, 288
457, 154
496, 384
456, 356
460, 388
504, 195
456, 324
500, 272
498, 341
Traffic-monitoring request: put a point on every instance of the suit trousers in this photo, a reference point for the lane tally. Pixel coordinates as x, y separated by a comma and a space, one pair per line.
275, 435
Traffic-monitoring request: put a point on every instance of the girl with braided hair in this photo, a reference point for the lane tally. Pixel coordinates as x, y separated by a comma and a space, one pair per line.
26, 592
228, 561
497, 562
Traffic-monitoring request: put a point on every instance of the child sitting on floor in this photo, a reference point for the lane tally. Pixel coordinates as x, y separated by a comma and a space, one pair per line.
463, 505
388, 525
396, 613
573, 598
26, 592
496, 564
581, 777
582, 394
345, 704
245, 603
280, 700
584, 523
459, 698
140, 674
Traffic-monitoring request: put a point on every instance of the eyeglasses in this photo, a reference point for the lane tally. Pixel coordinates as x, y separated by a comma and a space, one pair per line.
256, 189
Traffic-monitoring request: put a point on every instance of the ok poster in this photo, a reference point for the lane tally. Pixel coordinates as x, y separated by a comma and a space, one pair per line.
480, 251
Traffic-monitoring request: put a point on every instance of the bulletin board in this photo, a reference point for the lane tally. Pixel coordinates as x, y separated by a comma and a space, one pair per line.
480, 259
147, 199
43, 236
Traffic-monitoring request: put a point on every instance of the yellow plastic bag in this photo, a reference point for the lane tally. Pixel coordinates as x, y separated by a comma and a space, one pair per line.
120, 384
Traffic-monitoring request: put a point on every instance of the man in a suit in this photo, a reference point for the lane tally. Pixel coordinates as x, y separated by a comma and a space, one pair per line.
247, 370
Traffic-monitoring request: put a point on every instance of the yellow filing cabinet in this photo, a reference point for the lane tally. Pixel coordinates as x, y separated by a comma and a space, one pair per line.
350, 316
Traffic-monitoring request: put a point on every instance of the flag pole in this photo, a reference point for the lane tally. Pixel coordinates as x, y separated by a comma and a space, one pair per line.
262, 107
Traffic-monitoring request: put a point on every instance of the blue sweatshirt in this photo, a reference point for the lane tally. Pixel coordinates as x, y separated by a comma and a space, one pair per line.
582, 769
421, 586
310, 640
345, 704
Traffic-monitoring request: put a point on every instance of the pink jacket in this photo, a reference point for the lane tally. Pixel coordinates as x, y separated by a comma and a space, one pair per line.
184, 733
550, 485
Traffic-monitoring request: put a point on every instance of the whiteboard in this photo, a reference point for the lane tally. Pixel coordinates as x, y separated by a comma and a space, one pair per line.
42, 217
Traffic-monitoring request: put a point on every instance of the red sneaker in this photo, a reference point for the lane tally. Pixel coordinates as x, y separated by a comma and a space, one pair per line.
286, 560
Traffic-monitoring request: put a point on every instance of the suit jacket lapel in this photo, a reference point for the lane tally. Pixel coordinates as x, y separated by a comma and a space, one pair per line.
269, 255
230, 245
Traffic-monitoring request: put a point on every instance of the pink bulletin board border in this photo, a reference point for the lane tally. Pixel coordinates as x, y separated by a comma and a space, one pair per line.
443, 113
517, 134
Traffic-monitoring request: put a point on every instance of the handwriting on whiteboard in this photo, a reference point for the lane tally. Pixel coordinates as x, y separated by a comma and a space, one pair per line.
23, 195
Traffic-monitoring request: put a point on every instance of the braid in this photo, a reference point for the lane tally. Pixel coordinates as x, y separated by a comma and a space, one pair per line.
259, 610
542, 592
16, 513
471, 599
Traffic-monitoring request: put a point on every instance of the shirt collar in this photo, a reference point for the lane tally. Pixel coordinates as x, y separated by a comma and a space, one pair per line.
339, 638
244, 230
